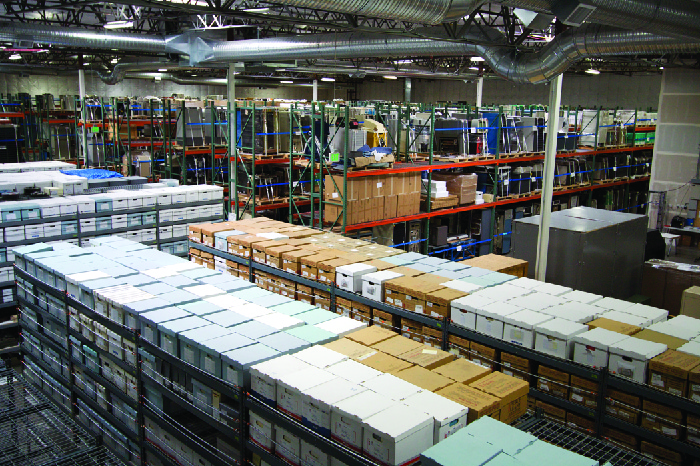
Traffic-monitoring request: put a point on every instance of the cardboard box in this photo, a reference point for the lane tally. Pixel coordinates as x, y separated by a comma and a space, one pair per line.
614, 326
448, 416
397, 345
623, 406
371, 336
554, 382
462, 371
658, 337
459, 346
385, 363
690, 302
661, 454
424, 378
291, 259
428, 358
552, 412
620, 438
291, 386
484, 355
273, 255
261, 432
580, 423
629, 358
395, 290
347, 417
556, 337
432, 337
309, 264
397, 435
317, 403
438, 302
592, 348
670, 371
326, 269
351, 349
584, 392
662, 419
693, 429
479, 403
515, 366
511, 392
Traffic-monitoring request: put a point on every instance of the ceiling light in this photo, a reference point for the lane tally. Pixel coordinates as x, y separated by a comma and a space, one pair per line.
86, 64
390, 77
592, 71
193, 75
114, 61
256, 10
477, 59
403, 62
15, 56
474, 68
118, 24
661, 67
162, 70
287, 82
328, 80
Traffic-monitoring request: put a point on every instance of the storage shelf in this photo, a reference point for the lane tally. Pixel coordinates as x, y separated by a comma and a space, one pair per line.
652, 394
109, 417
113, 389
8, 324
667, 442
563, 403
126, 367
26, 242
40, 311
45, 340
10, 304
45, 366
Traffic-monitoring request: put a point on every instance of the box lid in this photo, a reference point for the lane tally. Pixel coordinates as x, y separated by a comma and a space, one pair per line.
227, 342
204, 290
471, 302
423, 378
200, 308
275, 367
248, 355
444, 296
305, 379
353, 371
204, 333
380, 276
397, 345
527, 283
502, 292
613, 304
251, 311
180, 325
674, 363
284, 342
391, 386
687, 322
614, 326
334, 390
552, 289
582, 297
462, 286
280, 321
427, 356
573, 311
312, 334
526, 319
561, 328
668, 340
649, 312
363, 405
369, 336
226, 318
498, 310
320, 356
625, 318
451, 451
599, 338
510, 439
341, 325
435, 405
316, 316
470, 397
462, 370
254, 329
350, 348
537, 301
399, 421
669, 328
384, 362
692, 347
637, 349
533, 455
502, 386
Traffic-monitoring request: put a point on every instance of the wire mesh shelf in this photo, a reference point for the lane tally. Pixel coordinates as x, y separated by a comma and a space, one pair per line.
33, 432
578, 442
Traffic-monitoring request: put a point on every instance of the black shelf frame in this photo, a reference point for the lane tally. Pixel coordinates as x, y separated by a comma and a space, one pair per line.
659, 439
40, 362
131, 370
107, 415
10, 304
113, 389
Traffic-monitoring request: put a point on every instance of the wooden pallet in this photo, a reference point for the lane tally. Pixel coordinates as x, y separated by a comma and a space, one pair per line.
440, 203
265, 201
602, 181
269, 156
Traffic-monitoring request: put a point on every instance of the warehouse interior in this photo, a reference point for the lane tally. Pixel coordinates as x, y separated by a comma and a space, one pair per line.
341, 233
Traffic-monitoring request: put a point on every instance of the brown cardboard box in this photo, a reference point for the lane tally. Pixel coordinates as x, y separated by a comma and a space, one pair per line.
369, 336
661, 454
424, 378
194, 252
432, 337
484, 355
390, 206
415, 298
677, 282
584, 392
197, 260
479, 403
323, 303
291, 259
694, 384
194, 233
621, 438
462, 186
309, 264
463, 371
326, 269
437, 302
511, 392
552, 412
407, 271
379, 264
412, 329
650, 335
305, 294
240, 245
395, 290
289, 291
386, 320
350, 348
580, 423
428, 358
515, 366
670, 371
499, 263
397, 345
554, 382
273, 256
259, 249
343, 307
623, 406
362, 312
385, 363
693, 430
654, 284
690, 302
459, 346
614, 326
208, 230
662, 419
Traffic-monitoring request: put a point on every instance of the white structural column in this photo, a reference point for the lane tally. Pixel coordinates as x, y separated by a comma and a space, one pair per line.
550, 153
407, 90
479, 91
315, 95
83, 131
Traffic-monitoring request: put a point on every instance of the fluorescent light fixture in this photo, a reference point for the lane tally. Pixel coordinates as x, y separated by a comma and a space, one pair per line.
162, 70
390, 77
592, 71
476, 59
86, 64
286, 82
403, 62
474, 68
193, 75
114, 61
328, 80
118, 24
256, 10
661, 67
15, 56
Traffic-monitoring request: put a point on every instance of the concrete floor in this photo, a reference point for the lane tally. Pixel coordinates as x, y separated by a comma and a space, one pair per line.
684, 255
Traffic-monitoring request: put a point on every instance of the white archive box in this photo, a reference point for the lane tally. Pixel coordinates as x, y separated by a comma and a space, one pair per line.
311, 455
192, 213
264, 376
692, 347
320, 356
163, 196
652, 313
49, 207
32, 231
190, 342
526, 283
119, 221
86, 204
317, 402
353, 371
519, 327
348, 415
397, 435
165, 216
165, 232
592, 347
448, 416
581, 297
261, 432
464, 287
391, 387
291, 386
625, 318
179, 231
552, 289
574, 311
14, 234
675, 330
52, 229
489, 319
178, 196
686, 321
280, 321
120, 199
341, 326
373, 284
148, 234
536, 301
630, 358
463, 310
349, 277
287, 446
148, 198
613, 304
556, 337
503, 292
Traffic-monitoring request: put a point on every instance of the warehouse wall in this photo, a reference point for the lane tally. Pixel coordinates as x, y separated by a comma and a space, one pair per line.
587, 91
68, 85
677, 141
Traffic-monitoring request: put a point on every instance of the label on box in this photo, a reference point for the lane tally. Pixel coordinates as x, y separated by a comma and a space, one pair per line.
375, 447
419, 309
675, 391
346, 432
516, 334
379, 185
668, 431
148, 333
317, 416
398, 303
167, 343
231, 375
334, 195
551, 344
656, 380
209, 364
578, 398
433, 352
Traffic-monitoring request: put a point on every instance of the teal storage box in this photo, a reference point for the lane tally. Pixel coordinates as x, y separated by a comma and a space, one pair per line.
148, 218
30, 211
236, 363
103, 204
69, 227
461, 449
211, 350
11, 212
103, 223
134, 220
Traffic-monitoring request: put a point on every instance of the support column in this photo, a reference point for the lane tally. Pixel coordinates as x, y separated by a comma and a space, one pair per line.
479, 91
550, 153
315, 94
81, 93
231, 89
407, 90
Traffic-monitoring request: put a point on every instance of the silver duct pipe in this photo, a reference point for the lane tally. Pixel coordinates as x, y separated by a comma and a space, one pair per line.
120, 70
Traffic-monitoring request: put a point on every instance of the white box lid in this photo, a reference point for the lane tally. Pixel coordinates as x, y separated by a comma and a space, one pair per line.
354, 269
353, 371
272, 236
573, 311
462, 286
279, 321
320, 356
391, 386
276, 367
692, 347
85, 276
649, 312
599, 338
226, 301
526, 319
334, 390
613, 304
253, 311
341, 325
526, 283
668, 328
582, 297
399, 421
381, 276
687, 322
537, 301
205, 290
561, 328
551, 288
638, 349
625, 318
307, 378
363, 405
503, 292
498, 310
471, 302
437, 406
